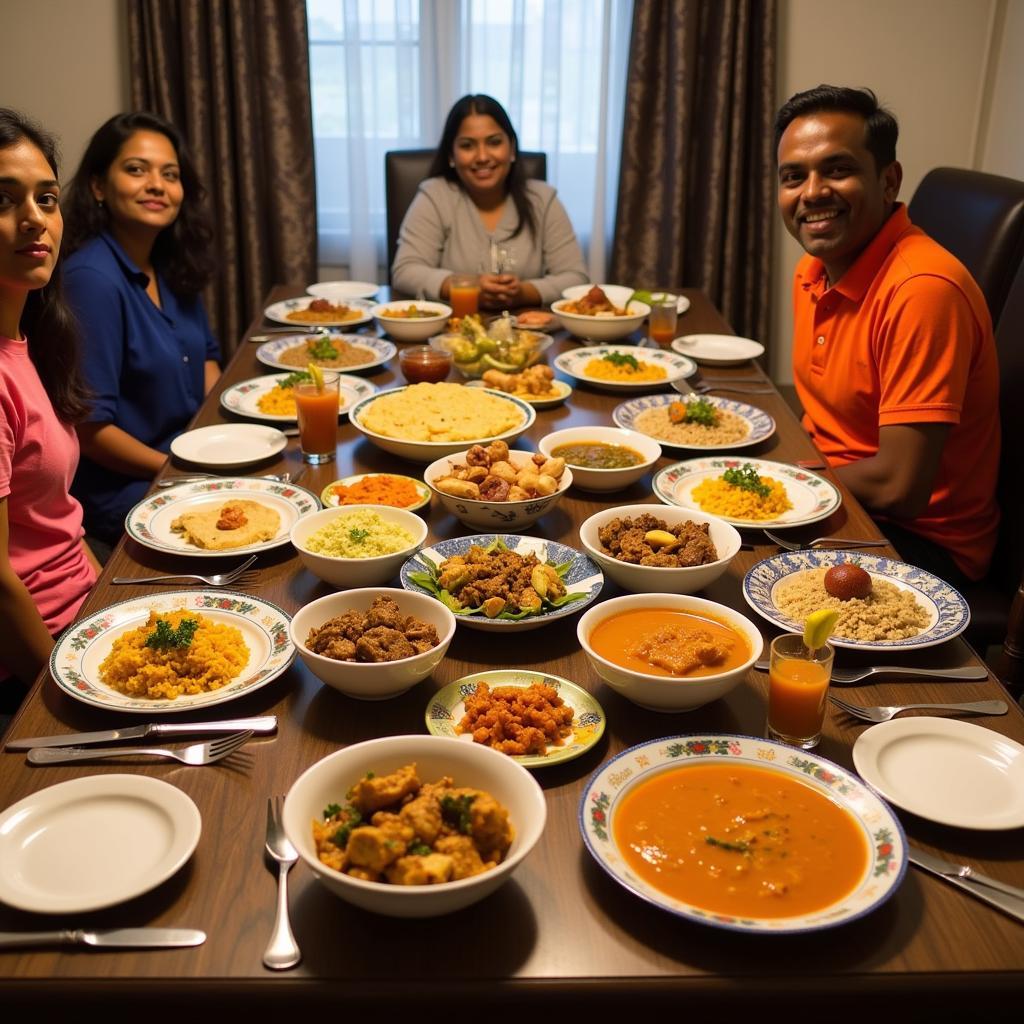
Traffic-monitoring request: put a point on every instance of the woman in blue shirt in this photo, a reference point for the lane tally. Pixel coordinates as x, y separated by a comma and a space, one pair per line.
141, 253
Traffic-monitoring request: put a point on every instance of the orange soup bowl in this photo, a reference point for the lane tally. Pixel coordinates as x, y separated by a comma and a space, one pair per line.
660, 691
652, 579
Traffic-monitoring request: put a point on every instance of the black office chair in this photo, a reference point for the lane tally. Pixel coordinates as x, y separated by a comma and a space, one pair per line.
404, 169
979, 218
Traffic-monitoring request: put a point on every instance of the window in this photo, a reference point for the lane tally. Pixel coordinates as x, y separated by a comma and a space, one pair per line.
384, 75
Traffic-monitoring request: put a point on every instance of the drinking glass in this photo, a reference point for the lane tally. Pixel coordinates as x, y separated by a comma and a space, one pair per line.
662, 321
317, 410
798, 679
464, 294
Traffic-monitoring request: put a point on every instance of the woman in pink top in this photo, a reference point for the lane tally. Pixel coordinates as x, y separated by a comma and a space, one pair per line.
45, 568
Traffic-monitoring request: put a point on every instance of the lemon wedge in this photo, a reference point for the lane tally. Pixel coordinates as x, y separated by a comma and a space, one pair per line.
318, 378
818, 627
641, 295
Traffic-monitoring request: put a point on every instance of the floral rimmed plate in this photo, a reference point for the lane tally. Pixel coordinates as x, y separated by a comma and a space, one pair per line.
278, 312
885, 842
330, 499
676, 367
560, 391
759, 424
812, 496
378, 350
82, 647
448, 705
149, 522
582, 576
948, 613
244, 398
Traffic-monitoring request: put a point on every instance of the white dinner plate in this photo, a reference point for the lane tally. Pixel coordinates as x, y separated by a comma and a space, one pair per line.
82, 647
379, 351
228, 444
945, 770
718, 349
94, 842
619, 294
760, 425
812, 496
676, 367
278, 312
149, 522
343, 291
244, 398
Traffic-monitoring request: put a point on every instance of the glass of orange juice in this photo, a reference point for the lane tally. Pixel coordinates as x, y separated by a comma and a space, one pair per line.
317, 406
798, 679
464, 294
661, 324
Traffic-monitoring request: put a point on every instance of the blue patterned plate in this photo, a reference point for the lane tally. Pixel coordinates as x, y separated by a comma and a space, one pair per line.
948, 613
884, 842
759, 424
448, 705
81, 648
582, 576
378, 351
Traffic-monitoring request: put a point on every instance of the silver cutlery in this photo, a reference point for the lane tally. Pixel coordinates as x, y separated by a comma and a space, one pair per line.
855, 675
810, 464
115, 938
270, 333
282, 951
706, 389
1007, 898
835, 542
262, 724
196, 754
238, 575
885, 713
195, 478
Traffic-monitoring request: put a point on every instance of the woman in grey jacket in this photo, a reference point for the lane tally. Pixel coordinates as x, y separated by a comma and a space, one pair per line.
478, 213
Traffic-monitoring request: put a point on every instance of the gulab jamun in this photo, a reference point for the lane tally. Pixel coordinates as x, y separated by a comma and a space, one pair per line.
846, 581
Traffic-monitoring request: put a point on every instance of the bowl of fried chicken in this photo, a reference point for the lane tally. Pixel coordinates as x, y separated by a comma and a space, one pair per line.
597, 316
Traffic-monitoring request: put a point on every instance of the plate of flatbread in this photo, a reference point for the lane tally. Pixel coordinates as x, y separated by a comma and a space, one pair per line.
218, 517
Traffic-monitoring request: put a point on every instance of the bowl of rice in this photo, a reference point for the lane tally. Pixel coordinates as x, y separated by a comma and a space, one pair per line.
358, 545
412, 319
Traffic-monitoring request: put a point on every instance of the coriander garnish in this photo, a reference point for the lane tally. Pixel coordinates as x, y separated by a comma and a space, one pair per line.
746, 479
357, 536
455, 810
622, 359
322, 348
723, 844
165, 637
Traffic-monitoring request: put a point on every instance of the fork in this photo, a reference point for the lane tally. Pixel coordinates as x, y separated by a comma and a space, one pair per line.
282, 951
194, 478
883, 714
194, 754
839, 542
851, 675
704, 389
218, 579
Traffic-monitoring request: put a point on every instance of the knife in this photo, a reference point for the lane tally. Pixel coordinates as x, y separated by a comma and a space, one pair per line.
1007, 898
264, 724
114, 938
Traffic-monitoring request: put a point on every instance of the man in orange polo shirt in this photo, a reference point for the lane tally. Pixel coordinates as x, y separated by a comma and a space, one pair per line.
893, 355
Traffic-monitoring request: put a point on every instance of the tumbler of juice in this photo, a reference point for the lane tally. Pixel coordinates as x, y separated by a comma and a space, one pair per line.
661, 325
464, 294
798, 679
317, 406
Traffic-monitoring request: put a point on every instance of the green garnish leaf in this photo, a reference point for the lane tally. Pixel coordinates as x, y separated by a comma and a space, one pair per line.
723, 844
455, 811
418, 849
322, 348
357, 536
747, 480
622, 359
299, 377
331, 810
166, 638
353, 818
701, 411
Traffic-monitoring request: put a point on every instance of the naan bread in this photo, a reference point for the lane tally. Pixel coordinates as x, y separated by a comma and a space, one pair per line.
233, 524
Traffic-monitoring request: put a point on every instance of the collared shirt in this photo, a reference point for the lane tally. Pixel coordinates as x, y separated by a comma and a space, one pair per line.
905, 337
144, 365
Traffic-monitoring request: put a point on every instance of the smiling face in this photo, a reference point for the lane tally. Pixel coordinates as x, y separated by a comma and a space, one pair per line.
482, 155
142, 188
832, 197
31, 225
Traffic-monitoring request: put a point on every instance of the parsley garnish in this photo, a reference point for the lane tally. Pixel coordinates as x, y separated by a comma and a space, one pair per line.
165, 637
455, 810
418, 849
299, 377
622, 359
331, 810
723, 845
322, 348
357, 536
747, 480
340, 838
701, 411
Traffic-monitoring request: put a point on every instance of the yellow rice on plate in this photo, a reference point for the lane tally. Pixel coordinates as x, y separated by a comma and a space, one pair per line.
719, 498
604, 369
216, 655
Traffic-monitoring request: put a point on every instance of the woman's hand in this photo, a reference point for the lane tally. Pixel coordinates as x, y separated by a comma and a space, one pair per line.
506, 291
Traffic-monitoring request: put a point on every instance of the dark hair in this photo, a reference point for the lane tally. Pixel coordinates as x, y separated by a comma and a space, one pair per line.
881, 129
46, 321
183, 252
515, 183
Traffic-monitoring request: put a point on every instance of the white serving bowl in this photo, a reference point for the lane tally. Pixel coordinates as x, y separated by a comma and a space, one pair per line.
653, 579
356, 572
372, 680
619, 294
415, 328
429, 451
602, 480
469, 764
601, 328
663, 693
500, 516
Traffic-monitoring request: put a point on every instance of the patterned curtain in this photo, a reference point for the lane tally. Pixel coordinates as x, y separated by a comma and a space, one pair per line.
697, 179
233, 75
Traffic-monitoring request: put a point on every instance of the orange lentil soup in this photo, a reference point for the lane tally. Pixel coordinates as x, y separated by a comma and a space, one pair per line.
740, 840
666, 642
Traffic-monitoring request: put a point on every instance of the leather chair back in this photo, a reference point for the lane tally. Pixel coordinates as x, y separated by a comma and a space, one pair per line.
979, 218
404, 169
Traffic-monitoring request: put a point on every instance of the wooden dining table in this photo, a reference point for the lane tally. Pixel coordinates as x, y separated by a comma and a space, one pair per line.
561, 934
